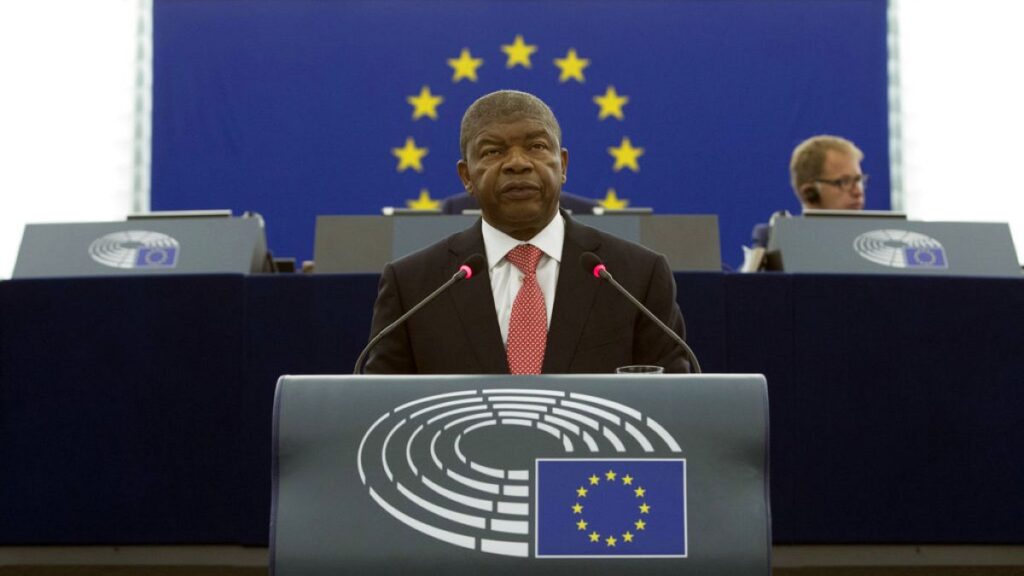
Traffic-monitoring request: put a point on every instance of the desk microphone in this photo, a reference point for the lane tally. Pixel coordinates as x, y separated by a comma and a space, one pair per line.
592, 264
471, 267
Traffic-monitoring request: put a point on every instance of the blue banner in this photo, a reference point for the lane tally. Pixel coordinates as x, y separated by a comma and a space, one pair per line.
294, 108
611, 508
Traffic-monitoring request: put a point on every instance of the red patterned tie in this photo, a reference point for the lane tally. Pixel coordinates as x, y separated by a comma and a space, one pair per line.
528, 325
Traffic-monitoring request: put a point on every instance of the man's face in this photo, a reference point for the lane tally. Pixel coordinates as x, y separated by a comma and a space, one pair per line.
515, 170
841, 185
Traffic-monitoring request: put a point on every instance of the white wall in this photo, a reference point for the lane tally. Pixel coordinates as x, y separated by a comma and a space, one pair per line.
963, 111
69, 71
67, 104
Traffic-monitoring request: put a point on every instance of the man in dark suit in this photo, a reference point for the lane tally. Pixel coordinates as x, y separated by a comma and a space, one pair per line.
536, 309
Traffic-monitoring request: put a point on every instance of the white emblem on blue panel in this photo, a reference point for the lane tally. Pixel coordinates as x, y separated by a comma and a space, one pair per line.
135, 249
452, 497
901, 249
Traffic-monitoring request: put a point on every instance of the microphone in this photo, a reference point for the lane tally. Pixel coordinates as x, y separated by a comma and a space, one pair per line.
592, 264
471, 267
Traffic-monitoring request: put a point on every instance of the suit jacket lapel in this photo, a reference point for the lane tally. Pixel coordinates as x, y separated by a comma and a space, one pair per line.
474, 303
574, 298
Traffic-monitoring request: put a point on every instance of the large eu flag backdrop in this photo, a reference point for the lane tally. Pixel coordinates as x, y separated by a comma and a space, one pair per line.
294, 108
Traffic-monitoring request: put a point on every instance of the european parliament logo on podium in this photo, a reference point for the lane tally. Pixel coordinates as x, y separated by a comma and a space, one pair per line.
445, 474
901, 249
135, 249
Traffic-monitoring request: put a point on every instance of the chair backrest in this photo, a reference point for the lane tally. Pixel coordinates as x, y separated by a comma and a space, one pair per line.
689, 242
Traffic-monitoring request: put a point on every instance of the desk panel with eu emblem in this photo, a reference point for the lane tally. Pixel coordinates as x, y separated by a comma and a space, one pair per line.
547, 475
157, 245
863, 244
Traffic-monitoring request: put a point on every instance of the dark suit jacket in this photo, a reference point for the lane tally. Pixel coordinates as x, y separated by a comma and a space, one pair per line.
759, 235
762, 231
571, 202
594, 329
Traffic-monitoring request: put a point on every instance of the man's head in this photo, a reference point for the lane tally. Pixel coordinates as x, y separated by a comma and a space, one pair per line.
512, 161
825, 173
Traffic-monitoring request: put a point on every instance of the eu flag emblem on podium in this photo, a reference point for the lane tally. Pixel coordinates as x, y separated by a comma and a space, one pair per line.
926, 257
630, 508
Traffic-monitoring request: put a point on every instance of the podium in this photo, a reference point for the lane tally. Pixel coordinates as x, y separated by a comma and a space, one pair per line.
547, 475
871, 245
206, 245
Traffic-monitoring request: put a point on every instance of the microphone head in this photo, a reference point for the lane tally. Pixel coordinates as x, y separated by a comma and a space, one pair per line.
474, 265
592, 263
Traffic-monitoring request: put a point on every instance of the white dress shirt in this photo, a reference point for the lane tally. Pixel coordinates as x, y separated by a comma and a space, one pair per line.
506, 279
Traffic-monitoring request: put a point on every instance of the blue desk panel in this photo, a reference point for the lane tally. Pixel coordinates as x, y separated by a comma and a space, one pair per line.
138, 410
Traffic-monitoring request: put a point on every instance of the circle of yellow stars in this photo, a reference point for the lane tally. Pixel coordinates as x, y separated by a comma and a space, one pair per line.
611, 540
518, 53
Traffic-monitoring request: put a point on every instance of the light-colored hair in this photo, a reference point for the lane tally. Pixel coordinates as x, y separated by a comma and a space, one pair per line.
505, 106
808, 159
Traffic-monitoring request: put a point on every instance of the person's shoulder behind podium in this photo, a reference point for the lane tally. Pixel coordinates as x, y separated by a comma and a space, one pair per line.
456, 203
556, 318
825, 174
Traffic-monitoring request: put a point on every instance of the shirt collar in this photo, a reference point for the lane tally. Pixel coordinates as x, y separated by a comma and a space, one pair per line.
497, 244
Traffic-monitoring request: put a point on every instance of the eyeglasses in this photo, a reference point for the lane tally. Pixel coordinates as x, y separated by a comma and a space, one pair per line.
846, 183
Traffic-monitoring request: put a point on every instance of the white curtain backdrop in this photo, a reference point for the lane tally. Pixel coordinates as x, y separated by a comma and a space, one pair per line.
75, 102
67, 114
962, 95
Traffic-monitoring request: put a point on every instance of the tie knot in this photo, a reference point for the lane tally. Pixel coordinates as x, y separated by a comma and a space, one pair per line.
525, 257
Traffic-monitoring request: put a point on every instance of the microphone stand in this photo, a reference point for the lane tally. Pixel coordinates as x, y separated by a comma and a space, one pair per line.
605, 274
463, 272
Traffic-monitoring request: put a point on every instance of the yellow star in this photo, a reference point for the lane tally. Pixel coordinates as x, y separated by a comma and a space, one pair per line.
465, 66
640, 492
425, 104
640, 524
571, 66
611, 104
627, 480
625, 155
612, 201
581, 492
595, 537
577, 508
611, 541
581, 525
409, 156
609, 475
644, 508
424, 202
627, 537
594, 480
518, 52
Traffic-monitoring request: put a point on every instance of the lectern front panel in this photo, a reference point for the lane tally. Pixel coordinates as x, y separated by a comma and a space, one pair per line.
547, 475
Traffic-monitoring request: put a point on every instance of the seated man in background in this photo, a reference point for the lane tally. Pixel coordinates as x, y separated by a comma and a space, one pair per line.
825, 174
534, 308
456, 203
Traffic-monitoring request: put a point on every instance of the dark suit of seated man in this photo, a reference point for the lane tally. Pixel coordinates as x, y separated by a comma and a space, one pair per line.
576, 204
556, 318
